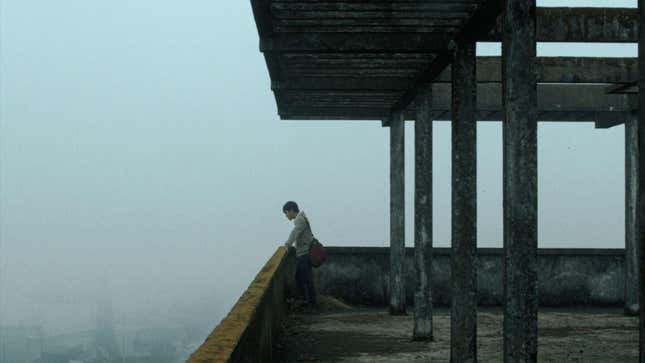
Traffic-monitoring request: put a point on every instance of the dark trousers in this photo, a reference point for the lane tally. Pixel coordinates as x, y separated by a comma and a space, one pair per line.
305, 279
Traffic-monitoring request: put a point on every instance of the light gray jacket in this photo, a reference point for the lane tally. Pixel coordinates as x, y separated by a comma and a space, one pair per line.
301, 235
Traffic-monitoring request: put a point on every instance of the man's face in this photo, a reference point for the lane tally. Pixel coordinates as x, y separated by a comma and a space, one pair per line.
290, 214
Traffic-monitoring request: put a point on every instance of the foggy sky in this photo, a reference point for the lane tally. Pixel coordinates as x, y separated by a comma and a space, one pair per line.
140, 141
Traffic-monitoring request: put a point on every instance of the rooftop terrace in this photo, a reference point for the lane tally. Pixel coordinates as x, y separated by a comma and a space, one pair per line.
581, 316
372, 335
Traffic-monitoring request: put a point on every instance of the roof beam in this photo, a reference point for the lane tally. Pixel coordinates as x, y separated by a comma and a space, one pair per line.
599, 25
613, 25
561, 70
552, 98
343, 83
346, 7
599, 118
549, 69
553, 25
355, 42
482, 21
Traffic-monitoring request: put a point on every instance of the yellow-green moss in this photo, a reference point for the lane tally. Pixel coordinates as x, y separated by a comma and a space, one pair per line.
221, 343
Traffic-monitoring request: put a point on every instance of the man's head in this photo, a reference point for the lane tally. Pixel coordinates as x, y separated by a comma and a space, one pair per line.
290, 210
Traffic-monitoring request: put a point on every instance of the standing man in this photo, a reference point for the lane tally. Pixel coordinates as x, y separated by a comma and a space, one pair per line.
302, 236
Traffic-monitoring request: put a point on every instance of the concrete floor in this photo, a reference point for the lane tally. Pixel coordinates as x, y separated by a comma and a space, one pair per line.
368, 335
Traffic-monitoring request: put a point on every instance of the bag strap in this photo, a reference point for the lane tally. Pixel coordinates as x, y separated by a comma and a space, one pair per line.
308, 225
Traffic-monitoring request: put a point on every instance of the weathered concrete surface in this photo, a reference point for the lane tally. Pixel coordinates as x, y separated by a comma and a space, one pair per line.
631, 216
249, 331
561, 70
480, 22
566, 277
519, 136
556, 102
464, 205
397, 213
548, 69
373, 336
423, 217
641, 171
576, 24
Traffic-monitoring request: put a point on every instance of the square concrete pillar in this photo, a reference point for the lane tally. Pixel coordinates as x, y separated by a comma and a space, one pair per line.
397, 213
631, 215
423, 216
463, 317
519, 96
641, 171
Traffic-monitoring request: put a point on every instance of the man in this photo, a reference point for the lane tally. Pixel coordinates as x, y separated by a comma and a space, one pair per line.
302, 236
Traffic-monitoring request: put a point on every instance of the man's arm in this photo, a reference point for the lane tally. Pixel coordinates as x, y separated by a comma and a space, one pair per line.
298, 228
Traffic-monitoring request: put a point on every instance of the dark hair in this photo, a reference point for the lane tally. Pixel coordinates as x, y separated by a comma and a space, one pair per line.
290, 206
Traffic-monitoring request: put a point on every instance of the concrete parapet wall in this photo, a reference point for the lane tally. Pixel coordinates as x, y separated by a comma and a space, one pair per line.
566, 277
247, 333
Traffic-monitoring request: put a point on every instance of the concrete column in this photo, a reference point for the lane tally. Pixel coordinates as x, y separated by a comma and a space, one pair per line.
397, 214
641, 172
423, 216
463, 317
519, 97
631, 217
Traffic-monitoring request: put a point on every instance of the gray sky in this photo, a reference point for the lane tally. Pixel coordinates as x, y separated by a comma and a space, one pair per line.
140, 140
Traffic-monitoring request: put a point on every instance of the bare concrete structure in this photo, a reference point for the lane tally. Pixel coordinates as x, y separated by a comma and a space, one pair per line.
350, 60
463, 315
640, 193
631, 215
397, 213
423, 217
566, 277
263, 326
520, 181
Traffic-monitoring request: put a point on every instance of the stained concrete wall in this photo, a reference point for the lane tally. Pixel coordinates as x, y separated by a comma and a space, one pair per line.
566, 277
248, 332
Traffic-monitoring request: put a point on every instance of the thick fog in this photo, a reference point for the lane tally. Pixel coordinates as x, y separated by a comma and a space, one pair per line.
142, 159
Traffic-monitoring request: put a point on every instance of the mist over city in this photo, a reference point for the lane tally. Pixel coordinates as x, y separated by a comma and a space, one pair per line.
143, 170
